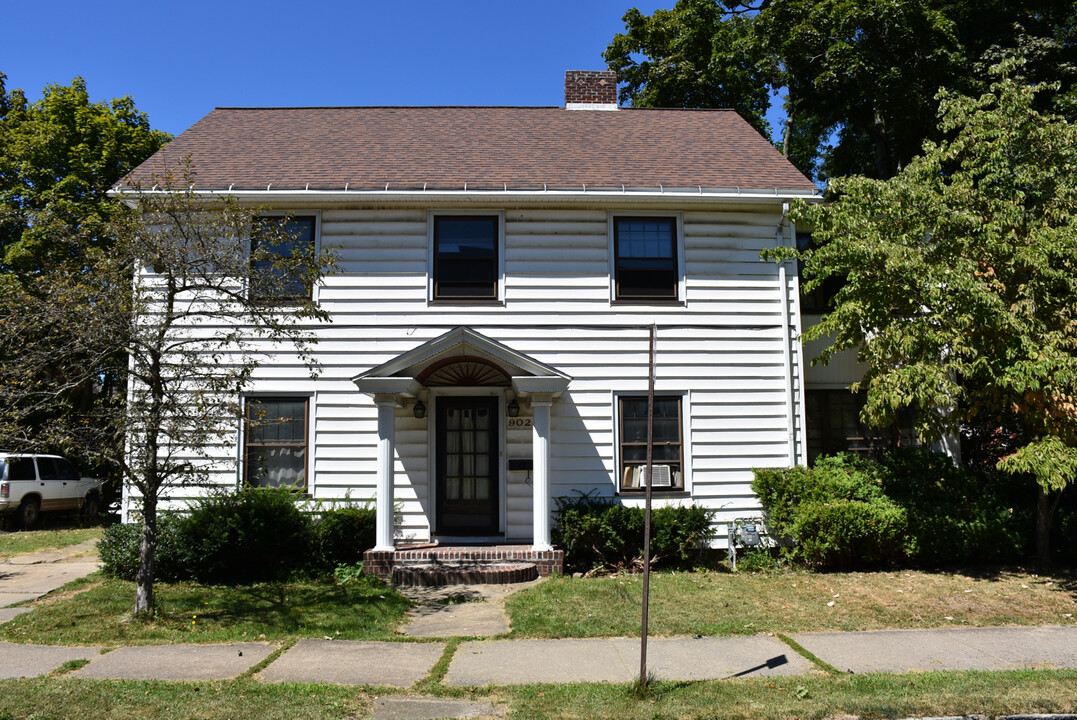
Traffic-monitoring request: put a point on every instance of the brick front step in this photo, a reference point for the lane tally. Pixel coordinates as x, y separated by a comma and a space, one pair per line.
463, 573
465, 561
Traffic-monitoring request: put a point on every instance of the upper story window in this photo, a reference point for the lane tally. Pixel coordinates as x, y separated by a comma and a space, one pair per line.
466, 257
275, 447
274, 240
821, 299
667, 443
645, 263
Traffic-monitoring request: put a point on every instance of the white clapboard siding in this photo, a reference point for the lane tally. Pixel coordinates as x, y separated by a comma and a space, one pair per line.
724, 350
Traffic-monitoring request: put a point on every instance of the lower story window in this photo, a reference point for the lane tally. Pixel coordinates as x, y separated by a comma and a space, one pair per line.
275, 451
834, 426
667, 455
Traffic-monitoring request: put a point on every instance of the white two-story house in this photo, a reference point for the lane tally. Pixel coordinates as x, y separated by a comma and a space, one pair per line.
499, 272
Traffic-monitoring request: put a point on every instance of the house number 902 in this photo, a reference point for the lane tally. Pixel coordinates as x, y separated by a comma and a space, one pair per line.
519, 422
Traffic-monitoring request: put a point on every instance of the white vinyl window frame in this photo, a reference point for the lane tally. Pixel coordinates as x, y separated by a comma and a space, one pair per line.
686, 440
678, 249
431, 216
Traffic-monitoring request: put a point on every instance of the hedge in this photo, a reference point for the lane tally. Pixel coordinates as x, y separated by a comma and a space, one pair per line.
601, 533
243, 536
914, 507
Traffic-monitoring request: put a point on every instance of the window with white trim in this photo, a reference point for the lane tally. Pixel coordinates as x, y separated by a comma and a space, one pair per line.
275, 240
667, 453
276, 442
646, 266
466, 257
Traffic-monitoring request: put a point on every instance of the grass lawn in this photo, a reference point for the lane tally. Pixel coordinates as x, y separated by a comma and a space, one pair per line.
97, 611
816, 696
19, 543
61, 698
714, 603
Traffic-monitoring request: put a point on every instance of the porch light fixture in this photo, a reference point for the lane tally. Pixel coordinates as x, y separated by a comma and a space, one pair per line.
419, 410
513, 408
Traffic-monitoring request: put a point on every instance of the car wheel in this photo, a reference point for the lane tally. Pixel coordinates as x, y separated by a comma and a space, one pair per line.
28, 512
89, 508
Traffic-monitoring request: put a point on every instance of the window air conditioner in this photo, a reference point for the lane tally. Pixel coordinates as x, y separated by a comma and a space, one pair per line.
662, 476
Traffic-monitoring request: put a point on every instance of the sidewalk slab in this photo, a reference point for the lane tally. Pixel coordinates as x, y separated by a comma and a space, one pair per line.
12, 613
32, 660
352, 662
472, 619
1000, 648
21, 582
177, 662
405, 708
511, 662
715, 658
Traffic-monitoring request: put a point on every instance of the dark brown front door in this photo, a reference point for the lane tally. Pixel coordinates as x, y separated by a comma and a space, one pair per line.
467, 467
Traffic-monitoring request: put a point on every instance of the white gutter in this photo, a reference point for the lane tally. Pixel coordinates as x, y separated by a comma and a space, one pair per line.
787, 351
325, 197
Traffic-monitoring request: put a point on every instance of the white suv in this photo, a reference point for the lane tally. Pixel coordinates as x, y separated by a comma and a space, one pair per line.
30, 484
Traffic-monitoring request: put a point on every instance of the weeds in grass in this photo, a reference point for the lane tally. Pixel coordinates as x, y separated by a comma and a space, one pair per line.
69, 667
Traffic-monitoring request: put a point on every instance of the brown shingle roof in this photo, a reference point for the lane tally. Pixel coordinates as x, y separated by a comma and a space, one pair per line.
485, 147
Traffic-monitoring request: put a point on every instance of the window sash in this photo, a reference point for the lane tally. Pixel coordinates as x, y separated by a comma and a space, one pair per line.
466, 262
645, 258
667, 441
276, 442
299, 233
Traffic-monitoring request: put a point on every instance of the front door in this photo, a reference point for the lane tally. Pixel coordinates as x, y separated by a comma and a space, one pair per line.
467, 469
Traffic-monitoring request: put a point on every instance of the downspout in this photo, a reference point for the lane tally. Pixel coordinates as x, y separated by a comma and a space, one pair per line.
787, 354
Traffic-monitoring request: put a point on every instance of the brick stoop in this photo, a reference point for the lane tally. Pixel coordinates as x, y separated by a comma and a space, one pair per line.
462, 565
465, 573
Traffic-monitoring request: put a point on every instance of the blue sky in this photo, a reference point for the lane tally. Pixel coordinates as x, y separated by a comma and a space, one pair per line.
180, 60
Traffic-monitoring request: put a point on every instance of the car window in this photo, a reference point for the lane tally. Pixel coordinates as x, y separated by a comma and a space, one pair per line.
66, 470
21, 469
46, 469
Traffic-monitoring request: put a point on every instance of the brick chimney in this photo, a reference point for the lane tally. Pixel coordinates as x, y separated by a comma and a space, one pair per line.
590, 90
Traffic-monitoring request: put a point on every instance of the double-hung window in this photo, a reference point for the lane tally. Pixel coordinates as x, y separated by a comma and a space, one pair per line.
275, 243
667, 453
466, 262
275, 448
645, 263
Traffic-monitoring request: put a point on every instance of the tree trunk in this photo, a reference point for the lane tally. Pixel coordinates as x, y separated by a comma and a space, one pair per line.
1043, 527
882, 147
787, 136
147, 550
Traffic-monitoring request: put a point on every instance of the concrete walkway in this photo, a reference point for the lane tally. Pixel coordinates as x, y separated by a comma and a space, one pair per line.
26, 577
509, 662
478, 611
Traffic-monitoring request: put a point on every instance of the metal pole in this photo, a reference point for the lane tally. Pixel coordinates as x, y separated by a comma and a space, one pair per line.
647, 514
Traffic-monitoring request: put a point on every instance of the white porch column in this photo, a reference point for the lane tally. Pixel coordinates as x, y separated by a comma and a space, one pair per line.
383, 527
540, 448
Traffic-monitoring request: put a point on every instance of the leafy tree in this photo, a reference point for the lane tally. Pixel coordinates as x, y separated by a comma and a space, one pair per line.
961, 281
859, 78
700, 54
187, 335
58, 158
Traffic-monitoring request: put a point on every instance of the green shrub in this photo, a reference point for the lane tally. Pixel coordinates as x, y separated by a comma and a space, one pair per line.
342, 535
836, 512
915, 507
250, 535
120, 545
956, 514
601, 533
758, 559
